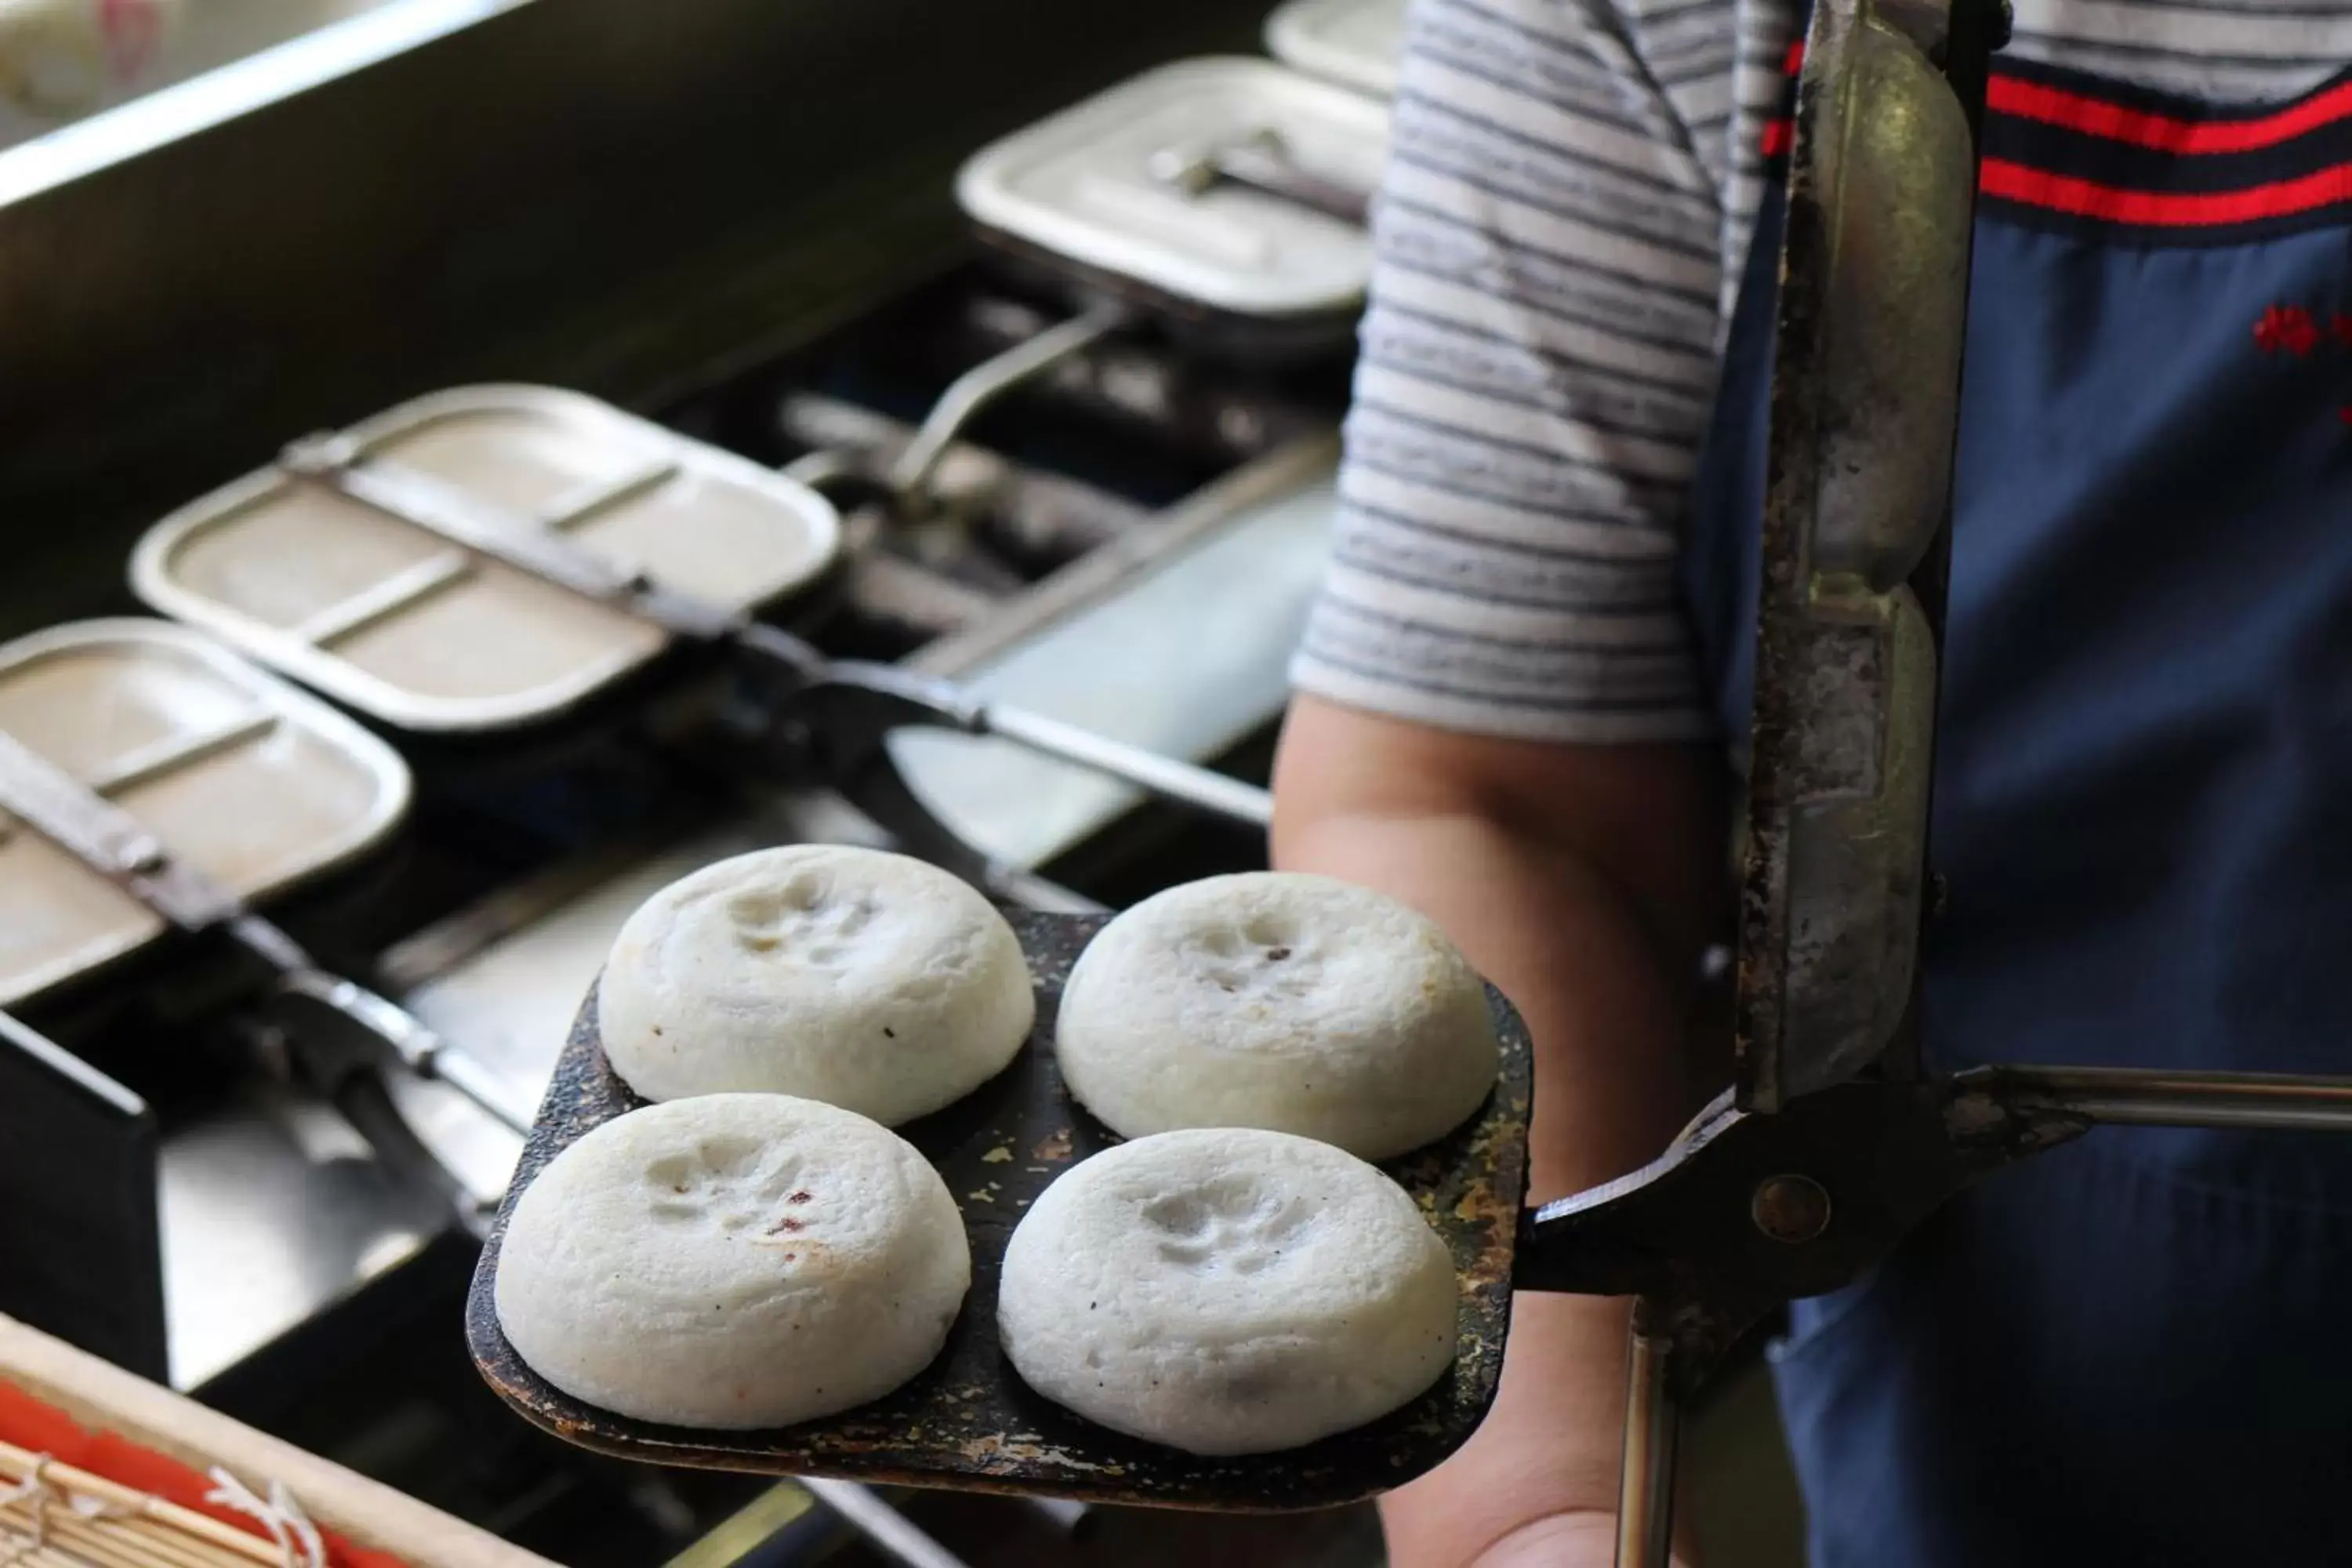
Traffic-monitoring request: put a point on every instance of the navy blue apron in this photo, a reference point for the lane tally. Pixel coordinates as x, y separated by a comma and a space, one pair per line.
2136, 1350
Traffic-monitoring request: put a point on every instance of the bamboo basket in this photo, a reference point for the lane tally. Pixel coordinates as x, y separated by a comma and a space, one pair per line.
271, 1504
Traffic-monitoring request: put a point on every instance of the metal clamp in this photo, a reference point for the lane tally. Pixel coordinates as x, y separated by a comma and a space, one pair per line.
866, 699
118, 847
1750, 1210
533, 545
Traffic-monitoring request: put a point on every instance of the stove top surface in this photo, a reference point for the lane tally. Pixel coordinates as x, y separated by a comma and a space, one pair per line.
1128, 546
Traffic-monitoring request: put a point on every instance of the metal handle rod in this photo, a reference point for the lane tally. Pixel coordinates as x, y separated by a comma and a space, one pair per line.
118, 847
480, 1083
882, 1524
1261, 161
2155, 1097
441, 510
983, 384
822, 468
407, 1037
363, 1100
1035, 892
1270, 169
895, 697
1646, 1483
1164, 776
1066, 1513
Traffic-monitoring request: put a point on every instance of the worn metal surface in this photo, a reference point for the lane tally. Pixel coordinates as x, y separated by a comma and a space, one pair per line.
967, 1421
1864, 411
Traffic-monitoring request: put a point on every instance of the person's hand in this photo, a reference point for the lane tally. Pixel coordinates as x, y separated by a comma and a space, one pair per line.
1563, 1540
1583, 881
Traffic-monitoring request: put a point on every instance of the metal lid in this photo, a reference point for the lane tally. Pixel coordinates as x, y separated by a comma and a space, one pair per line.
404, 625
1091, 184
237, 774
1353, 42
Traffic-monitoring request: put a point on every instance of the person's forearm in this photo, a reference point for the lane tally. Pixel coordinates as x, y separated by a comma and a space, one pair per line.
1563, 944
1594, 984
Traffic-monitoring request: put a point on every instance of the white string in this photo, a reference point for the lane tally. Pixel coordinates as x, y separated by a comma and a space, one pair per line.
290, 1530
314, 1548
85, 1505
34, 1489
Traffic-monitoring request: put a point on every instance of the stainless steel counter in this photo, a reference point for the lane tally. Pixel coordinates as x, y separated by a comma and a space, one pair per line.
269, 1210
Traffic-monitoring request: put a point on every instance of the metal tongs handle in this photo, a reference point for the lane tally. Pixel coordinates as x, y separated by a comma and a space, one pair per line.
1645, 1478
1838, 1141
854, 705
348, 1038
386, 1029
1166, 777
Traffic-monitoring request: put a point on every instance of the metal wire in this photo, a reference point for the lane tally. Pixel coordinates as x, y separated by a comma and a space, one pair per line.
1646, 1485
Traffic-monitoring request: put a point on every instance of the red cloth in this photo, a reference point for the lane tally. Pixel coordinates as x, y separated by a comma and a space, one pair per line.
29, 1424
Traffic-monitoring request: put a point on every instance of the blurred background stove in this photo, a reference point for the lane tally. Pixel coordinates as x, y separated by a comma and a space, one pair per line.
738, 219
1127, 543
1130, 545
1086, 546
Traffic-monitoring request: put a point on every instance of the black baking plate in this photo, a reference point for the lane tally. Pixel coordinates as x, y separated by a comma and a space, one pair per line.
967, 1421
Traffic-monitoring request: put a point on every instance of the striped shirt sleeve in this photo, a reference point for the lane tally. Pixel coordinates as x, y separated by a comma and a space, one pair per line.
1567, 180
2230, 51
